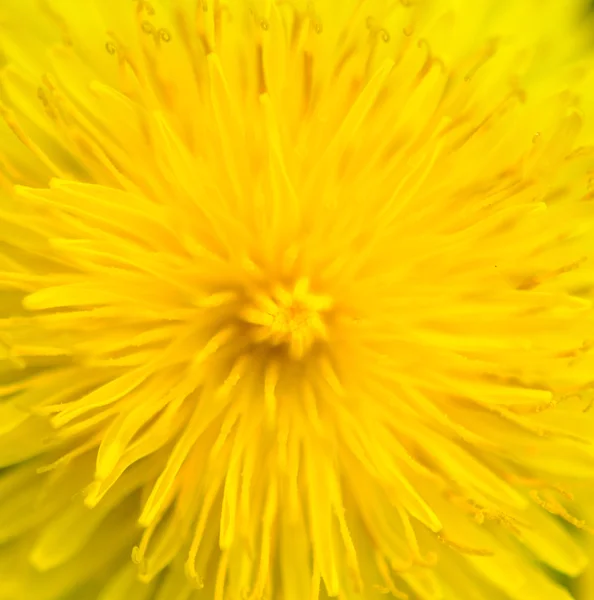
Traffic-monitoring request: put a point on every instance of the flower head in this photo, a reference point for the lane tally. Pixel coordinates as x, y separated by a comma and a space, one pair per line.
296, 298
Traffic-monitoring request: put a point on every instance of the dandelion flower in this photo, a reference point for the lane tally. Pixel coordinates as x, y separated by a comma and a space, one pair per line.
295, 299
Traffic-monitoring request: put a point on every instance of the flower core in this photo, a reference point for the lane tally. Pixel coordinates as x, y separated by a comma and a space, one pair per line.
290, 317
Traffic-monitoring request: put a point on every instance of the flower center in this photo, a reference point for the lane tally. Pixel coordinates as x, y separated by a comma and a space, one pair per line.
294, 317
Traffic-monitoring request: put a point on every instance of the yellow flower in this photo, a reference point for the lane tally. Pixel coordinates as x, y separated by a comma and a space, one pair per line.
295, 298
